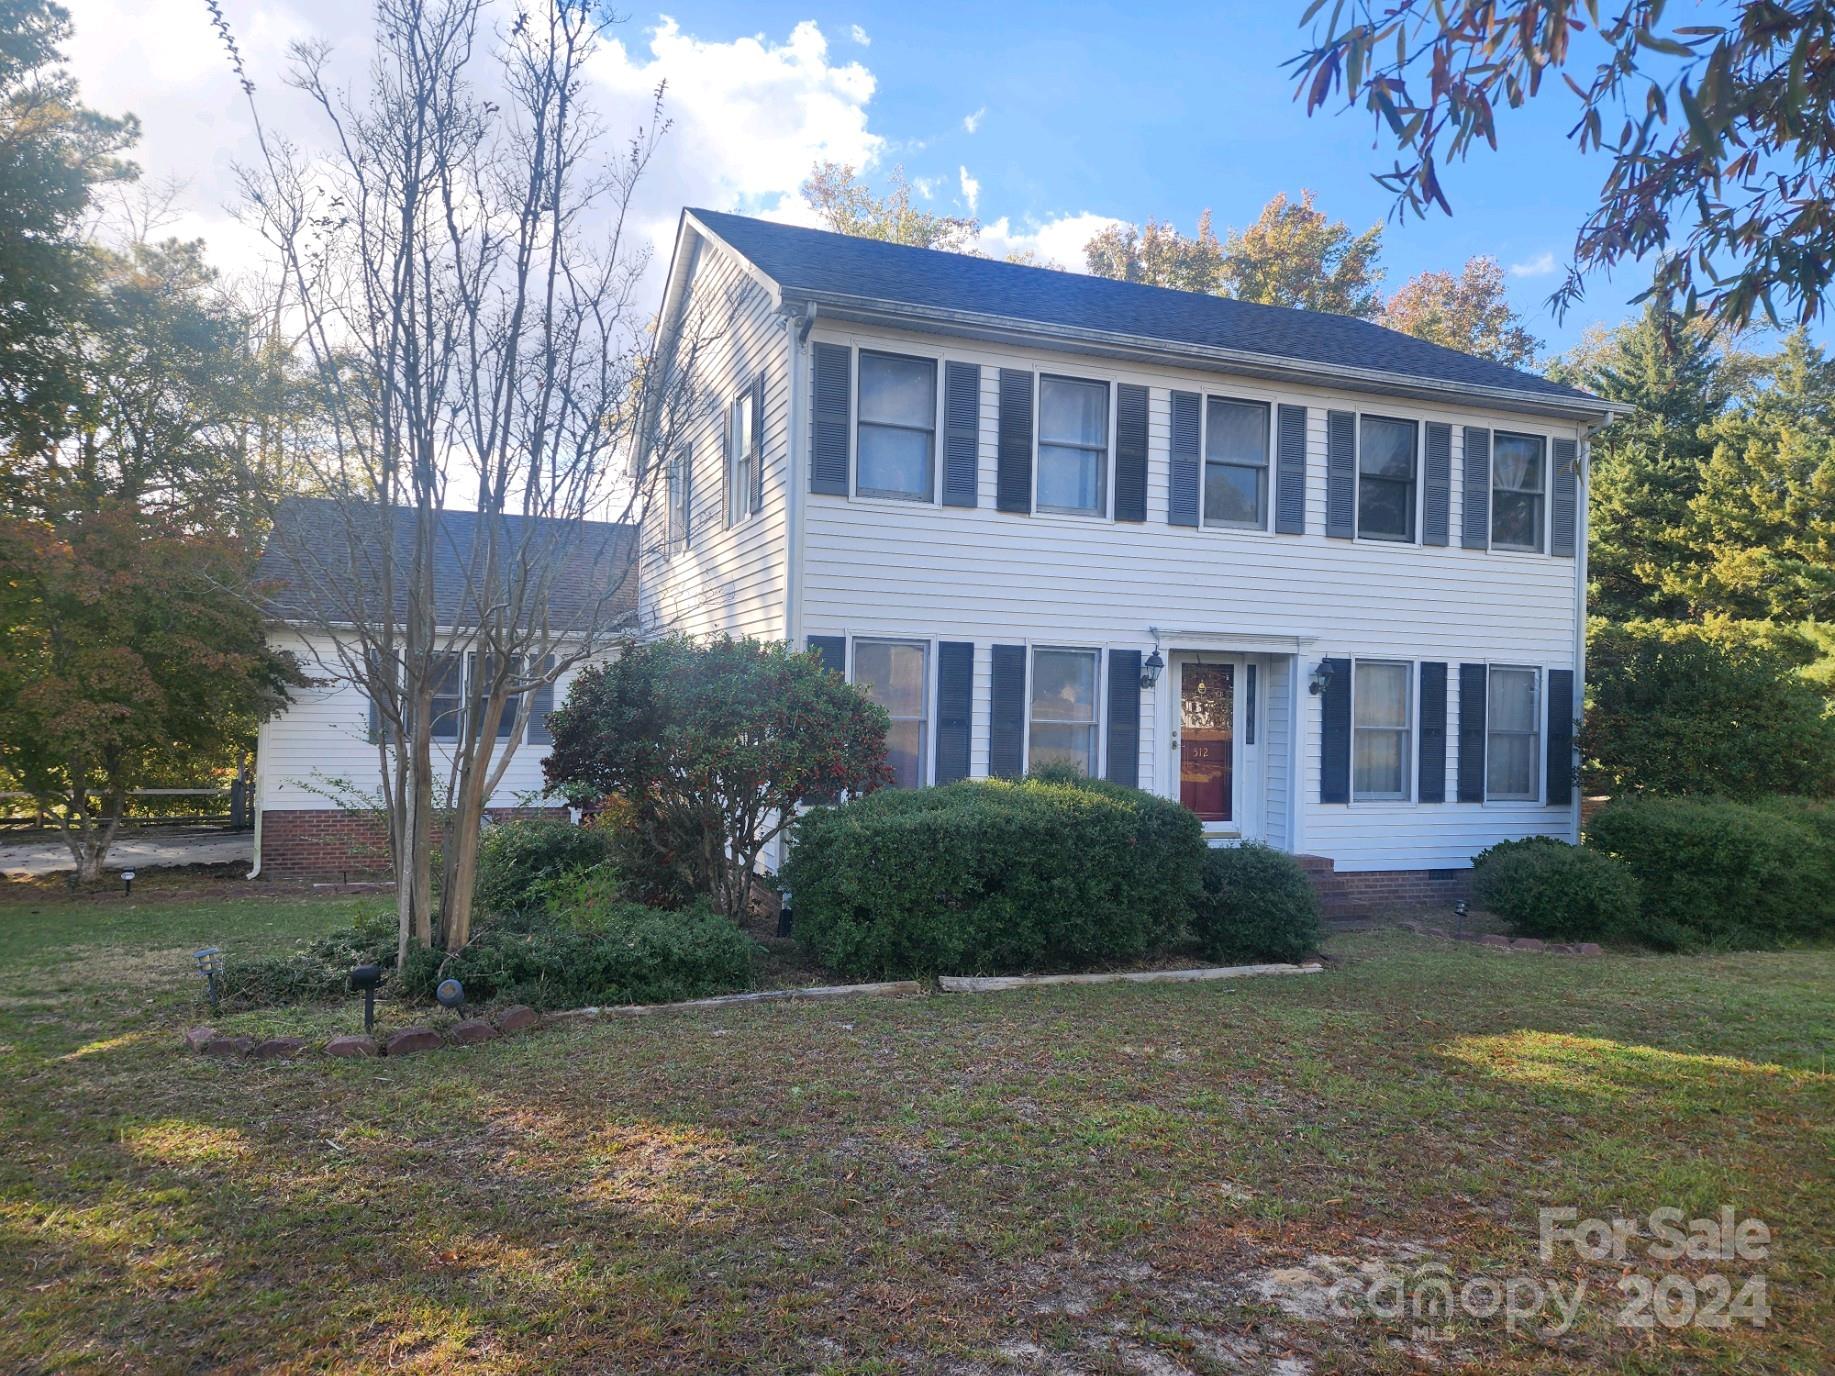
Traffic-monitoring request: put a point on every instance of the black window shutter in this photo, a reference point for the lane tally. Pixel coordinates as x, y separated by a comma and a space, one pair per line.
961, 434
1472, 684
833, 649
375, 735
1475, 527
1560, 737
1563, 519
1335, 733
1130, 452
757, 495
1125, 717
1290, 471
955, 700
1340, 475
1007, 712
1430, 786
1437, 484
1014, 472
834, 380
1182, 492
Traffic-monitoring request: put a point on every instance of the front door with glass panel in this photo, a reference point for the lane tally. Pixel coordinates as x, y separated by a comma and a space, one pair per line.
1207, 740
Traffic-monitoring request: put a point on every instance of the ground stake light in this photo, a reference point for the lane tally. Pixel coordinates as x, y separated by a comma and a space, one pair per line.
366, 978
210, 965
127, 882
451, 994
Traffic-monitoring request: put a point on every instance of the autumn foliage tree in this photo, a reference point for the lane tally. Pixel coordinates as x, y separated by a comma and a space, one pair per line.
1470, 312
714, 747
119, 653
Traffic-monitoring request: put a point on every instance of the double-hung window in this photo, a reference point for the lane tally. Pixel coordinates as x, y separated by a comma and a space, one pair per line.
896, 675
742, 458
448, 708
1517, 487
1236, 463
484, 673
1380, 730
1386, 478
897, 437
677, 479
1510, 724
1073, 446
1062, 719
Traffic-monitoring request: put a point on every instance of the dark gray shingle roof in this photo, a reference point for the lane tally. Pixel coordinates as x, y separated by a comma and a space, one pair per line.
309, 570
815, 261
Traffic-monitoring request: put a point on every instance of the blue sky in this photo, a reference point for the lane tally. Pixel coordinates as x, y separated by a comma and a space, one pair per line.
1081, 113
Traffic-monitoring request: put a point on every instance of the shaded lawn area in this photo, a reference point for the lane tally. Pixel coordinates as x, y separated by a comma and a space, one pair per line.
1152, 1179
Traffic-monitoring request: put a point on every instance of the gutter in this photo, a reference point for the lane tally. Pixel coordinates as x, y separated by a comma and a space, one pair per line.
1583, 484
1145, 348
261, 750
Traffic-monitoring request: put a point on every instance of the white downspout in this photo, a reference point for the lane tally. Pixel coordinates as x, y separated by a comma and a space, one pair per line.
261, 786
797, 334
1583, 482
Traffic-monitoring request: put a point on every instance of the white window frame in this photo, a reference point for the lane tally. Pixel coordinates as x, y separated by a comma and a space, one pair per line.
1536, 709
678, 499
450, 726
1100, 749
927, 736
1357, 486
1541, 494
1204, 462
1105, 502
936, 362
1406, 731
739, 458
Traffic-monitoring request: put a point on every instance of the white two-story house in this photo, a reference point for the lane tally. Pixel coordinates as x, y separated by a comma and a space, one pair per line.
1321, 582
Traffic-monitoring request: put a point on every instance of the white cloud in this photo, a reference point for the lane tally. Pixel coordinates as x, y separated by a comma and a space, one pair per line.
1057, 241
860, 36
926, 186
971, 190
749, 115
971, 123
1539, 266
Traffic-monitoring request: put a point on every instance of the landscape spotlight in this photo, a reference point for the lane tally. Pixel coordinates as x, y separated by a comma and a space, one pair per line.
1460, 909
366, 978
210, 965
451, 994
127, 882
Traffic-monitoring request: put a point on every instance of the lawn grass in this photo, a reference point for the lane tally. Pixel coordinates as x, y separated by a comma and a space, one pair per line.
1107, 1179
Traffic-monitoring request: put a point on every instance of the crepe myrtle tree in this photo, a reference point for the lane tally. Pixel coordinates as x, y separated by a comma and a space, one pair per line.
459, 267
716, 746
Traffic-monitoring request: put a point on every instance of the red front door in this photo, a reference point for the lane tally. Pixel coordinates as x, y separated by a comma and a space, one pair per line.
1207, 709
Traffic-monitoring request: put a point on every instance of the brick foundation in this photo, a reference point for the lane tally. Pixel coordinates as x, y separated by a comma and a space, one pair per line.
329, 842
1366, 893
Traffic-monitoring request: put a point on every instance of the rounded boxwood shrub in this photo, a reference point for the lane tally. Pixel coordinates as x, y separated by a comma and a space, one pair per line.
621, 953
1547, 888
1257, 905
991, 876
1721, 874
518, 860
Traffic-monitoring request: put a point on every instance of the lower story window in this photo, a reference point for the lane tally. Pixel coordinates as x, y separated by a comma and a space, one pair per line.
896, 675
1510, 724
1379, 749
1062, 719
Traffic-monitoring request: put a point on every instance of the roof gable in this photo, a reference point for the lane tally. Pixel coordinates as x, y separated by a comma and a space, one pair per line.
812, 262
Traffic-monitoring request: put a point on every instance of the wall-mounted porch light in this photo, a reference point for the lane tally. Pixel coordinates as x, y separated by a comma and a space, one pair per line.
1321, 677
1150, 669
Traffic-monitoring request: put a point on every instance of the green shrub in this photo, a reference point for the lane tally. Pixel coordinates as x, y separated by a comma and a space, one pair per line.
517, 860
1546, 888
1720, 874
1691, 710
314, 971
993, 875
1257, 905
615, 954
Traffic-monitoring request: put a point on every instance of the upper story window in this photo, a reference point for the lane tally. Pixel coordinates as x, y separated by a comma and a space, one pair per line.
1061, 725
448, 708
1236, 463
1073, 468
1510, 726
1386, 473
742, 458
1380, 728
678, 478
896, 675
1517, 491
897, 437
